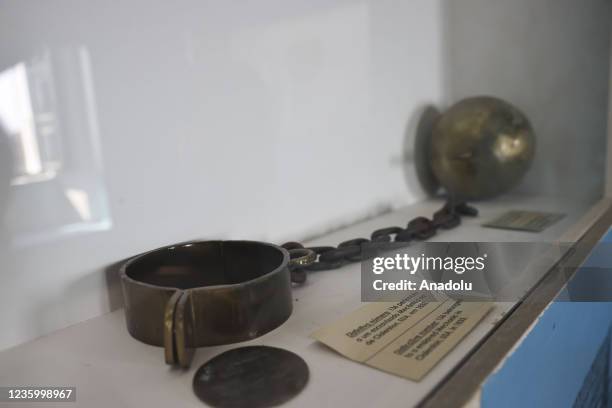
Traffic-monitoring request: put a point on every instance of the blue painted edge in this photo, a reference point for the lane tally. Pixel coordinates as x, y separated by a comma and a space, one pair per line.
549, 367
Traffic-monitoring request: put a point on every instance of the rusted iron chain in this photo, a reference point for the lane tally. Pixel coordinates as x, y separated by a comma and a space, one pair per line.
359, 249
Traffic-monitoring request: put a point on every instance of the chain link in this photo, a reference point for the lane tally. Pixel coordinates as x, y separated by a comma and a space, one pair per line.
360, 249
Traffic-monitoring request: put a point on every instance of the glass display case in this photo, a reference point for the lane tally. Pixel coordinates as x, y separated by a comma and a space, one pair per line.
135, 127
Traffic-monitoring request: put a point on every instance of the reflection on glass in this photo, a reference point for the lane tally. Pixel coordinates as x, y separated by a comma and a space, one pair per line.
80, 202
27, 105
47, 107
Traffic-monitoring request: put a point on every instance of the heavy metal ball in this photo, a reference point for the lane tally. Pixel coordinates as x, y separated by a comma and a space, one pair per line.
481, 147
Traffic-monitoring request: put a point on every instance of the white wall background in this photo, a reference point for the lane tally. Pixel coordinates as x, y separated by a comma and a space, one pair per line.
263, 120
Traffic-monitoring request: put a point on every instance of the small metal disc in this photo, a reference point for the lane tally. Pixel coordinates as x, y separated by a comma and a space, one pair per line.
255, 376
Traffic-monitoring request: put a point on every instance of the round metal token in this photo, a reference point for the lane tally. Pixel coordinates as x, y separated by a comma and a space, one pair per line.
255, 376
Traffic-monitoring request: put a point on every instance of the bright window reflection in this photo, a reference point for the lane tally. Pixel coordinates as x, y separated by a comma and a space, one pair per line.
47, 108
27, 102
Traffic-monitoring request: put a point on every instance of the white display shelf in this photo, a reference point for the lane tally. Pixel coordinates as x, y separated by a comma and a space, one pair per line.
111, 369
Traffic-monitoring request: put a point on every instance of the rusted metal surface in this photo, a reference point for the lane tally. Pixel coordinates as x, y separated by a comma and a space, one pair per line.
207, 293
252, 377
481, 147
